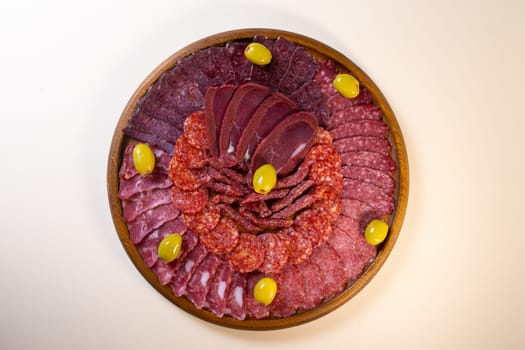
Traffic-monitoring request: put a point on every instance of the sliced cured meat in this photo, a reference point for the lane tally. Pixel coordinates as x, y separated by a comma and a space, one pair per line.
222, 239
359, 211
363, 143
310, 98
241, 66
220, 198
149, 138
370, 194
148, 247
241, 108
368, 159
257, 197
286, 145
376, 128
236, 305
291, 180
299, 247
313, 284
259, 74
323, 152
254, 309
300, 70
221, 71
192, 68
290, 292
184, 178
189, 202
300, 203
327, 173
144, 201
165, 271
248, 255
329, 263
216, 102
128, 170
227, 189
315, 225
195, 130
151, 220
363, 112
282, 53
276, 252
163, 130
219, 176
199, 284
185, 269
140, 183
328, 199
243, 223
269, 113
233, 175
188, 155
203, 221
292, 195
323, 137
266, 223
219, 289
379, 178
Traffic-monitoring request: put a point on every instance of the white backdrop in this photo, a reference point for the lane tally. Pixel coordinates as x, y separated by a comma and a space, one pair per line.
451, 70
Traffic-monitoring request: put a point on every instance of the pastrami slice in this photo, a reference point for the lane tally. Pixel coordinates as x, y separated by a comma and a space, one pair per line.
286, 145
216, 101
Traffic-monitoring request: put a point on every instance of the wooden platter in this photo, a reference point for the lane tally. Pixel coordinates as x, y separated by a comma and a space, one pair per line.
399, 154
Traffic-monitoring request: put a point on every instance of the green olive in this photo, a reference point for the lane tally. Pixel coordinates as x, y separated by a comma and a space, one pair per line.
264, 179
258, 54
169, 247
376, 232
347, 85
143, 159
265, 290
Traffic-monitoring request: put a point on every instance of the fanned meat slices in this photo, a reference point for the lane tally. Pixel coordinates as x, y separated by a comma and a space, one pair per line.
199, 284
150, 220
248, 255
219, 289
369, 193
185, 269
382, 179
363, 143
369, 159
139, 183
236, 304
144, 201
376, 128
216, 102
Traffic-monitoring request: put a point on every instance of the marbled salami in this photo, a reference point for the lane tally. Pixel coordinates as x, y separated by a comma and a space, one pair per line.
276, 252
222, 239
203, 221
190, 202
248, 255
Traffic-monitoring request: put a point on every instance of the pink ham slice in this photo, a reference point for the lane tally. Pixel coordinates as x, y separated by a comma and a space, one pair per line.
185, 269
199, 285
236, 305
241, 108
216, 101
141, 183
150, 220
219, 289
144, 201
286, 145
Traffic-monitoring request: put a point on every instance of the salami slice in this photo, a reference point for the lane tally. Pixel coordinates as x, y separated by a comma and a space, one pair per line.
367, 111
323, 137
248, 255
190, 202
368, 193
299, 247
359, 211
325, 153
219, 289
188, 155
329, 200
236, 305
184, 178
382, 179
203, 221
329, 263
313, 284
368, 159
254, 309
314, 224
363, 143
276, 253
323, 172
222, 239
195, 130
377, 128
290, 292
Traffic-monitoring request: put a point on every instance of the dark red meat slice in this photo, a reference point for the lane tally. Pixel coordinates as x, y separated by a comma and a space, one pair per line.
315, 225
145, 136
323, 152
222, 239
300, 70
248, 255
290, 292
363, 143
243, 223
313, 284
184, 178
254, 309
359, 211
150, 220
299, 247
141, 183
382, 179
199, 284
241, 66
286, 145
234, 176
377, 128
163, 130
227, 189
329, 263
236, 305
276, 252
241, 108
300, 203
144, 201
148, 247
326, 173
219, 176
368, 159
257, 197
216, 102
292, 195
224, 199
259, 74
269, 113
266, 223
128, 170
185, 269
188, 155
369, 193
282, 53
190, 202
219, 289
221, 71
195, 130
294, 179
193, 68
310, 98
203, 221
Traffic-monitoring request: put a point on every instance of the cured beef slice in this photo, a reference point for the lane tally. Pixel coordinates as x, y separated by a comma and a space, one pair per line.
165, 131
219, 289
216, 102
145, 136
254, 309
310, 98
241, 108
286, 145
186, 268
199, 285
150, 220
269, 113
240, 65
259, 74
301, 70
282, 53
144, 201
236, 304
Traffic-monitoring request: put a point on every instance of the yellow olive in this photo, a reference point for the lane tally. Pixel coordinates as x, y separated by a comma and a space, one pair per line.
265, 290
169, 247
258, 54
347, 85
143, 159
376, 232
264, 179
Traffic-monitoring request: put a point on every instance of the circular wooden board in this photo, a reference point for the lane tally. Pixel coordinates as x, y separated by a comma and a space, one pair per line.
399, 154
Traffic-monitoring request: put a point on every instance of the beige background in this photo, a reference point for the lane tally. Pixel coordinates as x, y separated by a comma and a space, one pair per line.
453, 72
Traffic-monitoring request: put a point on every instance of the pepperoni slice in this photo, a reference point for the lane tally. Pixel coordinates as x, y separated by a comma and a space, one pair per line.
195, 130
328, 200
203, 221
189, 155
222, 239
248, 255
315, 224
325, 153
190, 202
323, 137
324, 172
276, 252
184, 178
299, 247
